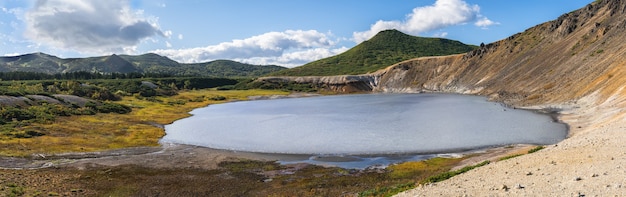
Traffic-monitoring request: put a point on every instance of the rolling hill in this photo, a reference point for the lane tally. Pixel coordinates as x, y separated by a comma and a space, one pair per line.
386, 48
146, 63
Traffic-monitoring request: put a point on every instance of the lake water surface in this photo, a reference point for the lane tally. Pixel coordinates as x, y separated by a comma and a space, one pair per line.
362, 128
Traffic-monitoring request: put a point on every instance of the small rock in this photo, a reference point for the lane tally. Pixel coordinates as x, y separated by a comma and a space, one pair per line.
578, 179
529, 173
505, 188
594, 175
519, 186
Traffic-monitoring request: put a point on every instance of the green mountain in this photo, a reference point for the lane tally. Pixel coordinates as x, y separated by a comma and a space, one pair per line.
146, 63
386, 48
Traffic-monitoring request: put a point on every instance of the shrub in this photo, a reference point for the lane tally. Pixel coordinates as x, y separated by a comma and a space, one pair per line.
218, 98
11, 113
113, 107
28, 134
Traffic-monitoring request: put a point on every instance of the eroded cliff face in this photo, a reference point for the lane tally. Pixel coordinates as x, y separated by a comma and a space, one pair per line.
577, 55
582, 53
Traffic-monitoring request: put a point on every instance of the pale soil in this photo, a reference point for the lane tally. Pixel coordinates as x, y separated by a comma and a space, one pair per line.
165, 156
590, 162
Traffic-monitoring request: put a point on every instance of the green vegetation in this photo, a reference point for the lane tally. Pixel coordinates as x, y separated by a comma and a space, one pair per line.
450, 174
147, 63
510, 157
385, 49
411, 171
389, 191
537, 148
54, 128
286, 86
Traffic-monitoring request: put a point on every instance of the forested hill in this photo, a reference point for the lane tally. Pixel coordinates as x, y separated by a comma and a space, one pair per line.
386, 48
146, 63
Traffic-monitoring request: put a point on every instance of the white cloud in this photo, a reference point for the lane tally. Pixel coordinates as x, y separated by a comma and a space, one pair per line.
484, 22
96, 27
11, 54
442, 14
168, 44
180, 36
289, 48
441, 35
167, 33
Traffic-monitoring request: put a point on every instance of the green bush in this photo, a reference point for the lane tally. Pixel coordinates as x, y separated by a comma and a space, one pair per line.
217, 98
12, 113
113, 108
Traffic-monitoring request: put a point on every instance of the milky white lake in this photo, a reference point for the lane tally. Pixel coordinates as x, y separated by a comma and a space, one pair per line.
366, 124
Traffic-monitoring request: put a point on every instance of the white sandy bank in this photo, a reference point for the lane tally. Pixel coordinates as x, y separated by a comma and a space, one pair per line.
591, 162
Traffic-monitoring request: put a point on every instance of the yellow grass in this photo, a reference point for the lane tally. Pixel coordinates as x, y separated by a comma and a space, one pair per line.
111, 131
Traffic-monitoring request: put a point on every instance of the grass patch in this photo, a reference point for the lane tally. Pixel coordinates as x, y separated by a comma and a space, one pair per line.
537, 148
510, 156
388, 191
450, 174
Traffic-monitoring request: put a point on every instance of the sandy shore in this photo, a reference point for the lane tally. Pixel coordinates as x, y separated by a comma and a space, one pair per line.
590, 162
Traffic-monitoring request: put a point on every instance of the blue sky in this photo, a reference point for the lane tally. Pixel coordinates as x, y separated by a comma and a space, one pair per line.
282, 32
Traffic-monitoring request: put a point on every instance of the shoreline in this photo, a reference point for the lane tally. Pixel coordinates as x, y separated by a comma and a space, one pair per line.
191, 156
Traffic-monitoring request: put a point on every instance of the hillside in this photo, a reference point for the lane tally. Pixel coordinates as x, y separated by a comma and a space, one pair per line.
146, 63
574, 65
384, 49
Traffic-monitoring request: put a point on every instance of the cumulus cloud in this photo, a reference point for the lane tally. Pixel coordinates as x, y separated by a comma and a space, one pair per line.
288, 48
484, 22
89, 26
442, 14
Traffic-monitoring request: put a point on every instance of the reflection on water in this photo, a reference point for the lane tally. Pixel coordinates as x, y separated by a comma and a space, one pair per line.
413, 125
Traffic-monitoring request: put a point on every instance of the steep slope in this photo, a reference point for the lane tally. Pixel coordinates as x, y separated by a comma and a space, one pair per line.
578, 54
34, 62
386, 48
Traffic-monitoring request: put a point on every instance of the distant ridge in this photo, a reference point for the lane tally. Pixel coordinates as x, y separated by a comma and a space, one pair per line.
146, 63
386, 48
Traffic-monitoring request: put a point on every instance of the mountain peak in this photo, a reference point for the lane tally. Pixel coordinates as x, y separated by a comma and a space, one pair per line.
386, 48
